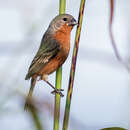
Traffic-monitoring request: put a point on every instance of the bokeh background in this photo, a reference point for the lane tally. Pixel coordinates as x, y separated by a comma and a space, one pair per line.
102, 84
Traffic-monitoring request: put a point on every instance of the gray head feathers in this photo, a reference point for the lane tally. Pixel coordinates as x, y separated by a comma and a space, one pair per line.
59, 21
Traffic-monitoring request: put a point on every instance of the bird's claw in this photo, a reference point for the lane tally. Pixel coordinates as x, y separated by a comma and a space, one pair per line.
58, 91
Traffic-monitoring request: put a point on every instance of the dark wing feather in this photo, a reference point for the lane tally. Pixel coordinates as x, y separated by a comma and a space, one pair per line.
48, 50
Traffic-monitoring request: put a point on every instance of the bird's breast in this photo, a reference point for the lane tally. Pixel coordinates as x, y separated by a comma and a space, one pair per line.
63, 38
64, 41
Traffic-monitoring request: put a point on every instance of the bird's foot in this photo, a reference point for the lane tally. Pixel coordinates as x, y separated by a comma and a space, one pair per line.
58, 91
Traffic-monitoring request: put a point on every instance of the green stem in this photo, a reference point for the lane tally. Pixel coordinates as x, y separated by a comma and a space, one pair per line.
62, 6
57, 99
73, 67
58, 79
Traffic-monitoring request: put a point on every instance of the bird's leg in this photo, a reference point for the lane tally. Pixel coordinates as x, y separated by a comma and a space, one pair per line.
58, 91
44, 77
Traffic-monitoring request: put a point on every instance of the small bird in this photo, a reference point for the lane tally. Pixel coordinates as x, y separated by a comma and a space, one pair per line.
52, 53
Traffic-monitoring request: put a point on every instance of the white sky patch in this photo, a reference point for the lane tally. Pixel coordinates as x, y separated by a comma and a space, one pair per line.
10, 25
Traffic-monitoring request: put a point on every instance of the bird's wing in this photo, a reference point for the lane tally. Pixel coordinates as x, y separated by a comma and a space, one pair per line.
48, 50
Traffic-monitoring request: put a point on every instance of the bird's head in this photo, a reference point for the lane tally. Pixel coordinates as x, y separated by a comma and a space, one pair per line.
62, 22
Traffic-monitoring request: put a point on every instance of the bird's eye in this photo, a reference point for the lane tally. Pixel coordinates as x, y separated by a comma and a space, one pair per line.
65, 19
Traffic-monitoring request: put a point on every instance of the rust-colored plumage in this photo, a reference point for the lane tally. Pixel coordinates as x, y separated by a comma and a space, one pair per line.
63, 38
53, 51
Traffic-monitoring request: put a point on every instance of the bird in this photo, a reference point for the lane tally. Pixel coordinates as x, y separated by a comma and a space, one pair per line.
52, 53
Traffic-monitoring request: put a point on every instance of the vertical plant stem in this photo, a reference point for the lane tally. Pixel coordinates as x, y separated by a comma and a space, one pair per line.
62, 8
57, 99
73, 66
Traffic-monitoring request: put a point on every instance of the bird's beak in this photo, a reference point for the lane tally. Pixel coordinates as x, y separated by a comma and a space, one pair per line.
72, 22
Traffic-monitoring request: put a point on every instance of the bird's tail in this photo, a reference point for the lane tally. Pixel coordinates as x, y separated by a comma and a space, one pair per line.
28, 99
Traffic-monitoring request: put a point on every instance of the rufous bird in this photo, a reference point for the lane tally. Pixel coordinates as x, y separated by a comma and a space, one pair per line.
53, 51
